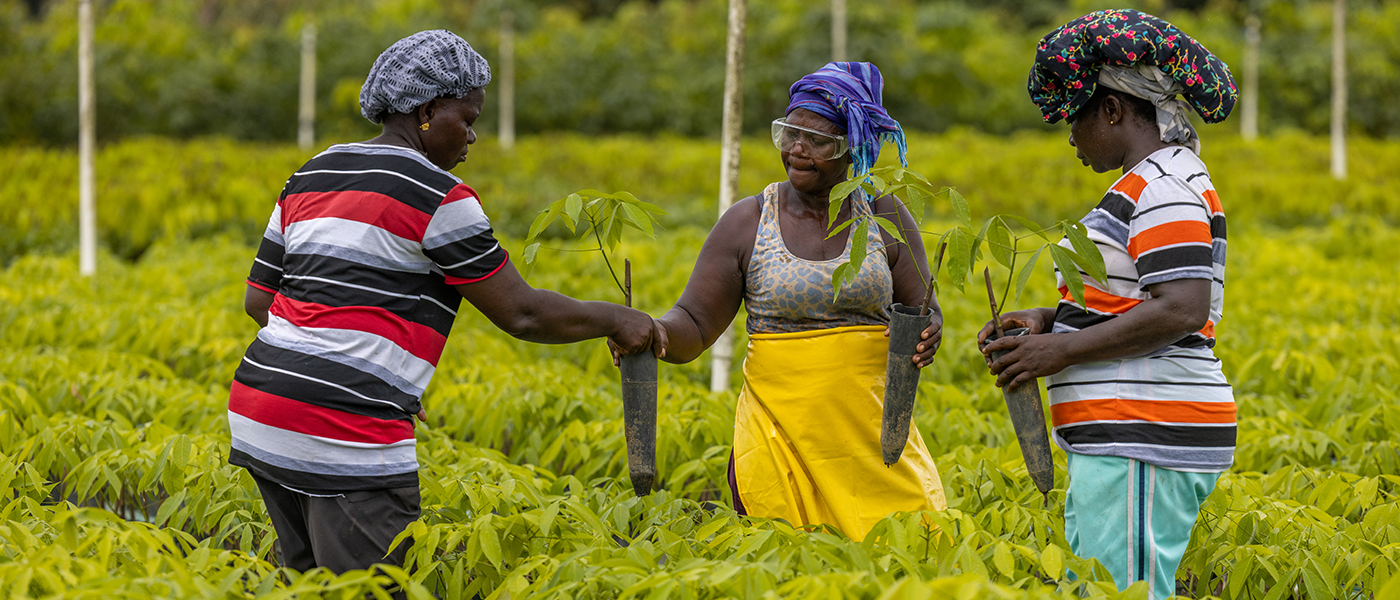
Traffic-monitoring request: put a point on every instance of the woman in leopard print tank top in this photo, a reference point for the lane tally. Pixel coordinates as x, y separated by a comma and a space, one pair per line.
807, 445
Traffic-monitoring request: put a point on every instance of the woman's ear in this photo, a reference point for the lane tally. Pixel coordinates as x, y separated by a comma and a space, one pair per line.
426, 110
1113, 109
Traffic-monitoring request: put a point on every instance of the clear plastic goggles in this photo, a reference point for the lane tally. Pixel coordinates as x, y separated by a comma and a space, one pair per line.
819, 145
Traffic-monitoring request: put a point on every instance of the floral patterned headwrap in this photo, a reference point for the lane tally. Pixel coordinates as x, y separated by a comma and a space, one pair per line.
1068, 61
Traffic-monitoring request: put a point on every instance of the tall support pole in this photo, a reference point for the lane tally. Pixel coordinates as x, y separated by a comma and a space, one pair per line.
722, 352
87, 140
1339, 89
838, 30
306, 112
1249, 121
507, 81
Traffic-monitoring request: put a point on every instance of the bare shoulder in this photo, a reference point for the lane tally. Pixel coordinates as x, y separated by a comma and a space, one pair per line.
739, 224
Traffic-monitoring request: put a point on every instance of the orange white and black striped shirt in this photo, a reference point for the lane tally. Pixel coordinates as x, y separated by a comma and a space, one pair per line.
1173, 408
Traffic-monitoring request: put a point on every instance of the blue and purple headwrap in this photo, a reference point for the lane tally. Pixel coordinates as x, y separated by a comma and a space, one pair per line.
849, 95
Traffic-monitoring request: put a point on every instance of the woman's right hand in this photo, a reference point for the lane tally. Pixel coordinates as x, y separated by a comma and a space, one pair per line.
1032, 319
638, 333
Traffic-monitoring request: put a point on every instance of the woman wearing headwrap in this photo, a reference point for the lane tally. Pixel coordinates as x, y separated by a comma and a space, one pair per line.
370, 250
1138, 399
807, 424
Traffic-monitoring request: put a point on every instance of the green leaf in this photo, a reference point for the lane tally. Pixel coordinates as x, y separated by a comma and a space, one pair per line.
999, 242
591, 193
878, 183
1026, 269
1087, 251
542, 221
530, 251
976, 251
919, 197
1069, 271
638, 218
168, 508
490, 543
844, 272
612, 232
859, 245
180, 454
573, 204
1001, 558
960, 207
839, 229
959, 256
838, 195
547, 518
1052, 559
889, 227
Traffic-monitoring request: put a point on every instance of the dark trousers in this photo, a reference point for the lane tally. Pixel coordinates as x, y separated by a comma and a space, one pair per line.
342, 533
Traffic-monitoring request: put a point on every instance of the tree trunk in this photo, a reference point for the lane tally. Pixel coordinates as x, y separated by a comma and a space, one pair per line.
722, 352
87, 140
1339, 89
838, 30
506, 81
1249, 121
306, 110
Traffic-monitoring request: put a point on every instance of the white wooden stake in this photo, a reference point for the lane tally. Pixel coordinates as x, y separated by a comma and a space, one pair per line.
838, 30
506, 83
722, 352
1249, 120
306, 113
1339, 89
87, 123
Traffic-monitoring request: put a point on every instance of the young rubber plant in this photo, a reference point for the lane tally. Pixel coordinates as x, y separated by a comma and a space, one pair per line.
1007, 247
606, 215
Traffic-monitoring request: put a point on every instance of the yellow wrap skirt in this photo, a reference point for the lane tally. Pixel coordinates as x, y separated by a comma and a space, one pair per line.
807, 433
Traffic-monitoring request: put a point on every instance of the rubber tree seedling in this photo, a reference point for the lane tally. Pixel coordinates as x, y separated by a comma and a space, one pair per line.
961, 248
605, 217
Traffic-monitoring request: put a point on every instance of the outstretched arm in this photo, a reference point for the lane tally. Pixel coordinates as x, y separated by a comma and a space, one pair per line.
716, 287
548, 317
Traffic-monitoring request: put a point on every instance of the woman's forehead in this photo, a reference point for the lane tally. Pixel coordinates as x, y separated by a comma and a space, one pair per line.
802, 117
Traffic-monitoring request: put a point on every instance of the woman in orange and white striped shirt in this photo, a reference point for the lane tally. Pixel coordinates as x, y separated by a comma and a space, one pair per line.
1137, 396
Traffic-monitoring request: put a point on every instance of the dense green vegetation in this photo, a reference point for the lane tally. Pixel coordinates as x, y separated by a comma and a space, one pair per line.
152, 188
113, 391
230, 67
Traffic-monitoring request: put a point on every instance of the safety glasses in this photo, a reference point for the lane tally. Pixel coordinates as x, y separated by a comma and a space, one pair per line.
820, 146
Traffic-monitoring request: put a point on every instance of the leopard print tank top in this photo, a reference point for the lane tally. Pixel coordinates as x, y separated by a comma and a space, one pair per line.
784, 293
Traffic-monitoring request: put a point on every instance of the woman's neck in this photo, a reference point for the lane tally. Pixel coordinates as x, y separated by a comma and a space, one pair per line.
1141, 149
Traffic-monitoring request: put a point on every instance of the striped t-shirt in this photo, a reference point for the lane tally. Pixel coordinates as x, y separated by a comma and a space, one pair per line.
1173, 408
362, 252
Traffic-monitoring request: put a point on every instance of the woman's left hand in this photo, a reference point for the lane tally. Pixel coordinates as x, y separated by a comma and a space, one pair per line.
1027, 358
929, 342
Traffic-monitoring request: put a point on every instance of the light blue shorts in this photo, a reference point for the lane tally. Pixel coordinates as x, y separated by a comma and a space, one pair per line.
1134, 517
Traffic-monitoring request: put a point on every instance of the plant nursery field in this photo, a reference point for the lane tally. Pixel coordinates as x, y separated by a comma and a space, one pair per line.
113, 394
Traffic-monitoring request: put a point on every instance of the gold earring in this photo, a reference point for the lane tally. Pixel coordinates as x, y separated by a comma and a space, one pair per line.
424, 127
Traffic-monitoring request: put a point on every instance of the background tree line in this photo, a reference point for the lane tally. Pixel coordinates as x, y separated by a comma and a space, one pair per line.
185, 68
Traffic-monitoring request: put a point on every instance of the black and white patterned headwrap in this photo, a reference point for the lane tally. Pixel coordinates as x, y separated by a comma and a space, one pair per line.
419, 68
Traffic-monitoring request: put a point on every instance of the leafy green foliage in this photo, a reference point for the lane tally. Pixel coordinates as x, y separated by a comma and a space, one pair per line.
606, 215
912, 191
113, 393
230, 67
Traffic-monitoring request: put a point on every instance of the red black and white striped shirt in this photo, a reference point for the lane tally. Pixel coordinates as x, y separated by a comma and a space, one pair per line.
1173, 408
362, 252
